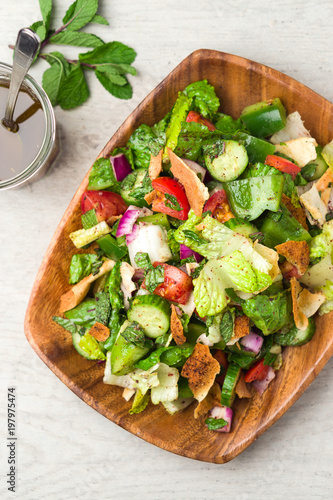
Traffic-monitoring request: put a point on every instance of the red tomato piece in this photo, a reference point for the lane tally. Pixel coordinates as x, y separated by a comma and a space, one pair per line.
170, 198
222, 358
196, 117
257, 372
289, 271
177, 285
219, 206
105, 204
285, 166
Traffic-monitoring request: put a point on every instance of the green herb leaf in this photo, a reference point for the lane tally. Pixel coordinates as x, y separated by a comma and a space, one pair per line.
172, 202
74, 90
46, 8
227, 324
215, 423
81, 266
99, 20
54, 77
39, 29
119, 90
65, 323
135, 335
112, 74
102, 176
80, 13
143, 261
233, 295
194, 236
103, 307
154, 278
112, 52
76, 39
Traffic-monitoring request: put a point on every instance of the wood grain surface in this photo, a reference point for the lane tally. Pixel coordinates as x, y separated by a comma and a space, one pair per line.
238, 82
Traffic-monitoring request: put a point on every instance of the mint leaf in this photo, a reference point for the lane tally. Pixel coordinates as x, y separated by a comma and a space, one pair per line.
76, 39
112, 75
121, 92
55, 76
39, 29
154, 278
46, 8
172, 202
99, 20
74, 90
80, 13
215, 423
112, 52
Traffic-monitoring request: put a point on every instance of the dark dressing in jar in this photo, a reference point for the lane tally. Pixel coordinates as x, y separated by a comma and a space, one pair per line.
18, 149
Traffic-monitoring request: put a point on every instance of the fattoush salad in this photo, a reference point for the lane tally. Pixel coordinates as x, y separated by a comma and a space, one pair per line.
205, 249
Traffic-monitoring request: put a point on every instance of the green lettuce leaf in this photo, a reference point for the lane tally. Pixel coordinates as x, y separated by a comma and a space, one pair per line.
81, 266
204, 98
209, 294
178, 115
144, 142
167, 390
322, 244
102, 176
243, 276
327, 306
269, 314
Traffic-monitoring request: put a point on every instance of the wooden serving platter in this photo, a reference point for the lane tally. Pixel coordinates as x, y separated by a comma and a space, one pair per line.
238, 83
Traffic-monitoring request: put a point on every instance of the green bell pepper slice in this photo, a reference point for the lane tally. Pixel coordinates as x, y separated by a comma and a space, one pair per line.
249, 198
280, 227
264, 118
256, 149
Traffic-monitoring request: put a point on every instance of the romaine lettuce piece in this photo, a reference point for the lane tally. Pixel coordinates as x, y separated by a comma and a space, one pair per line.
204, 98
243, 276
322, 244
167, 390
327, 306
327, 154
178, 115
143, 142
83, 237
209, 294
316, 276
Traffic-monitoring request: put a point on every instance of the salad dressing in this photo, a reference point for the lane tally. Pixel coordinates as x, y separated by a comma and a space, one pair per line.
18, 149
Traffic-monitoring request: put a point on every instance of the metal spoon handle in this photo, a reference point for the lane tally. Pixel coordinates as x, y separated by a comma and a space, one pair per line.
27, 46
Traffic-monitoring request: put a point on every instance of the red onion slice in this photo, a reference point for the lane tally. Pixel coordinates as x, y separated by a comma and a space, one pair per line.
131, 236
222, 412
121, 166
127, 221
198, 169
261, 385
252, 342
186, 252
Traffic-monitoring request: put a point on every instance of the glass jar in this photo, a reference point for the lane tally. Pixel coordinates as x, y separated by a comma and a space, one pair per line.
50, 144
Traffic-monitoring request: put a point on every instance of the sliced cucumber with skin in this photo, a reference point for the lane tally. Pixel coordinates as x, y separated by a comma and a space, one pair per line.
319, 164
242, 227
152, 313
296, 337
228, 165
76, 337
229, 385
124, 355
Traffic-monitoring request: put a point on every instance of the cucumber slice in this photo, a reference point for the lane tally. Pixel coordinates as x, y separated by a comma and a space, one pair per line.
76, 337
152, 313
229, 385
228, 165
242, 227
124, 355
296, 337
319, 164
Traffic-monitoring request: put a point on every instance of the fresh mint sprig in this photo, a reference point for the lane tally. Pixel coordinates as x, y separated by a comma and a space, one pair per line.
65, 82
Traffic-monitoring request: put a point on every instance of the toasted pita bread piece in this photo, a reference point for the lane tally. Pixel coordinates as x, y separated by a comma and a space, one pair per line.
241, 328
155, 165
212, 399
78, 292
99, 331
302, 150
200, 369
196, 192
241, 388
325, 195
296, 212
309, 302
325, 180
297, 253
150, 197
176, 327
301, 321
111, 220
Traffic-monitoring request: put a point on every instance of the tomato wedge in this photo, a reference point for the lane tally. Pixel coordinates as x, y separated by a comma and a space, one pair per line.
196, 117
285, 166
105, 204
177, 285
170, 198
257, 372
219, 206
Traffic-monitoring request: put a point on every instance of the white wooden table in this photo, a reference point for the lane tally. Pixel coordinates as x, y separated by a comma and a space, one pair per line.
66, 450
